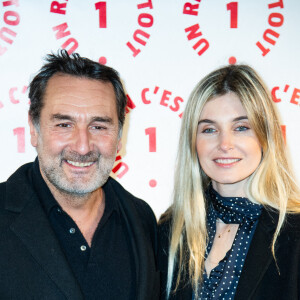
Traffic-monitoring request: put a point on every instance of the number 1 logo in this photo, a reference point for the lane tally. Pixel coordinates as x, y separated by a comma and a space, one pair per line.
233, 8
101, 6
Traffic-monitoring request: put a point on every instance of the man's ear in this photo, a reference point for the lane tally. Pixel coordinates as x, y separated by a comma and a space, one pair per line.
33, 132
119, 145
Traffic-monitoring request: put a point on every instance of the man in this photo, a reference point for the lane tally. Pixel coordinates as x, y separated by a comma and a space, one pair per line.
67, 230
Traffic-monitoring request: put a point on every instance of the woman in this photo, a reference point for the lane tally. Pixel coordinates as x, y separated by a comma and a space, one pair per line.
233, 229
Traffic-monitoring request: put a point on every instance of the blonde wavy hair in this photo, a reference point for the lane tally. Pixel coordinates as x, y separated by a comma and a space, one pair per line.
271, 184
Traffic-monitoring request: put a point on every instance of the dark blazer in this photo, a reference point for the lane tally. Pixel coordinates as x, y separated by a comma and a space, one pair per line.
32, 264
260, 279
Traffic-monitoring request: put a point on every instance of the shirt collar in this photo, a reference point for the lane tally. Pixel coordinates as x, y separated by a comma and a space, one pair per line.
45, 196
111, 198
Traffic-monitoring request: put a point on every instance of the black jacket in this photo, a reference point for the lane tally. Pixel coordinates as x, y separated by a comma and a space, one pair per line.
260, 279
32, 264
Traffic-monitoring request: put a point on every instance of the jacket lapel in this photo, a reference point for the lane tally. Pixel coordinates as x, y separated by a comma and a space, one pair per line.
32, 227
142, 250
258, 258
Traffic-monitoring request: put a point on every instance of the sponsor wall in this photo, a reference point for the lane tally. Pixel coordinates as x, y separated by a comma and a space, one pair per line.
161, 48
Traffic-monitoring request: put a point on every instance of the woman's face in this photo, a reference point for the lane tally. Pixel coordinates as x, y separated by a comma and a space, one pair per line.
228, 148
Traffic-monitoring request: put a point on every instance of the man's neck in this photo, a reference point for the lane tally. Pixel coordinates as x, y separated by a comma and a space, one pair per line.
86, 210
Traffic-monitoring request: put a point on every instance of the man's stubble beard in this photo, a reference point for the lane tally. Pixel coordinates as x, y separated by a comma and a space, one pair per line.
52, 171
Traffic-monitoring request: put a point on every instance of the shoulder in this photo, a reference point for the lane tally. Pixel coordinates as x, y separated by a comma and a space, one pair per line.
291, 229
292, 222
136, 211
18, 185
141, 207
165, 225
15, 194
270, 216
19, 176
2, 193
164, 229
164, 236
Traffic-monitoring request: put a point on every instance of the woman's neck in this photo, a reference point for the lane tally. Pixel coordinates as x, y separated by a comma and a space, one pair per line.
230, 189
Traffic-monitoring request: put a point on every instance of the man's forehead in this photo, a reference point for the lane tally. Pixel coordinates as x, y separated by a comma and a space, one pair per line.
78, 91
81, 99
62, 80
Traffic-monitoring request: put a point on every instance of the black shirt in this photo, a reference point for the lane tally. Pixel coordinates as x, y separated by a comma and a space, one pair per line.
106, 269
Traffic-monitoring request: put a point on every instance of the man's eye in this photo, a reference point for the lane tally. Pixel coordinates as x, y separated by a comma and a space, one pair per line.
63, 125
98, 127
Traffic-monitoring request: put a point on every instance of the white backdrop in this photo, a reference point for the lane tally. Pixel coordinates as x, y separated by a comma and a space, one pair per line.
161, 49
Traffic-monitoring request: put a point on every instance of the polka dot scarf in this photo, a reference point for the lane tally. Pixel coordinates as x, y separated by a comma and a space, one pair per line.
223, 279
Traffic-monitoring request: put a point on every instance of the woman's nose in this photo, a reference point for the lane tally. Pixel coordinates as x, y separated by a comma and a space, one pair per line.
226, 141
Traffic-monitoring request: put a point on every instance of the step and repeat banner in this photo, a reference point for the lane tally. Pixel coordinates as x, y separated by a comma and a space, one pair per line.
161, 48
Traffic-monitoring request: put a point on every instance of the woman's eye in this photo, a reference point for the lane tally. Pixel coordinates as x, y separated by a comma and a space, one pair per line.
242, 128
208, 130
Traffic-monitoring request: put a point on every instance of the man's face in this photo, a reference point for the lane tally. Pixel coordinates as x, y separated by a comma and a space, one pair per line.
77, 139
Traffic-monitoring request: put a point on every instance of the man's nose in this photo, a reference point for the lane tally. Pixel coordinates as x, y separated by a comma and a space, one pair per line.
81, 141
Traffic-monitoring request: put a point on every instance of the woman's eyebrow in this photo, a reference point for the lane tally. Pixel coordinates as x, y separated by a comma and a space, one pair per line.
240, 118
206, 121
213, 122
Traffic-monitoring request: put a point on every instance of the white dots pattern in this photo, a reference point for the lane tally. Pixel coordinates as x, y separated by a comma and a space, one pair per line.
223, 279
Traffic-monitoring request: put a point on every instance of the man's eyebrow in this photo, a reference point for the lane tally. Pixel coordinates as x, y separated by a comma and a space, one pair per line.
62, 117
102, 119
70, 118
213, 122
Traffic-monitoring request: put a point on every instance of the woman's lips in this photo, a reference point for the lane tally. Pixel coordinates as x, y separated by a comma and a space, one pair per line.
226, 162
